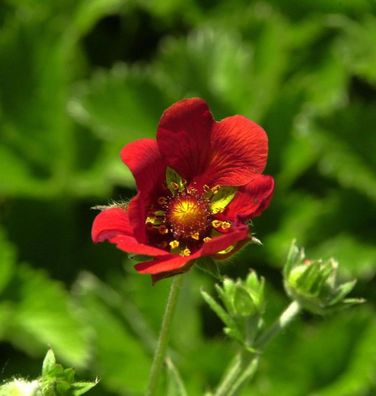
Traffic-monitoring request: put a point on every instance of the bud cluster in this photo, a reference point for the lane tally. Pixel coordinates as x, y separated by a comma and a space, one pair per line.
242, 307
314, 285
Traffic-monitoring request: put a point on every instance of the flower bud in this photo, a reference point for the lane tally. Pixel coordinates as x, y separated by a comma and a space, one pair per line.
313, 283
243, 297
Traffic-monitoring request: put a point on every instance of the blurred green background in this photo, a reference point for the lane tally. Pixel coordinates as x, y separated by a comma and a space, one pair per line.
81, 78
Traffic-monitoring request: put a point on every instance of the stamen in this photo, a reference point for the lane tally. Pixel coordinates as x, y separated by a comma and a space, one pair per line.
175, 186
207, 239
226, 225
216, 223
186, 252
174, 244
195, 235
153, 220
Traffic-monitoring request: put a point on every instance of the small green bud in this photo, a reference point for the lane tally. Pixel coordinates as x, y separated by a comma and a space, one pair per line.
313, 283
243, 297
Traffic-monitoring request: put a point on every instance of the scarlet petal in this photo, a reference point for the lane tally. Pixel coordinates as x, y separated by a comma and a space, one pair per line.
184, 136
109, 223
239, 149
113, 225
252, 199
173, 263
131, 245
222, 242
165, 264
144, 160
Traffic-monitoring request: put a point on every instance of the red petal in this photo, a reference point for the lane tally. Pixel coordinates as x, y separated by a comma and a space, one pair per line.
184, 136
175, 263
239, 149
252, 199
113, 225
109, 223
137, 209
222, 242
144, 160
130, 245
164, 264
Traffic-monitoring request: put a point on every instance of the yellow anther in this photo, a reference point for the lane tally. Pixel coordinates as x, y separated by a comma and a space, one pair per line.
174, 186
226, 225
207, 239
162, 200
206, 188
163, 229
174, 244
216, 223
195, 235
217, 210
215, 189
186, 252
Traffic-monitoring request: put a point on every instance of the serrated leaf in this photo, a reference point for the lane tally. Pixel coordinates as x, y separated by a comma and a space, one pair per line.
43, 315
123, 364
122, 104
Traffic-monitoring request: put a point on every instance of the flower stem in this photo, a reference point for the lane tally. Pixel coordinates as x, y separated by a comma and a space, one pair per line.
162, 343
245, 365
285, 318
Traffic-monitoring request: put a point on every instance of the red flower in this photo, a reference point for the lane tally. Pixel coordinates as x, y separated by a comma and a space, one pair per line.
199, 183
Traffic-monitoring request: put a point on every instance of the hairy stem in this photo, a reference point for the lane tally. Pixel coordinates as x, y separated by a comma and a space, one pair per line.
160, 351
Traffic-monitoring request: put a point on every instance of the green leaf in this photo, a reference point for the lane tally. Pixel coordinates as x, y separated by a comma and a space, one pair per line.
122, 104
121, 361
222, 314
221, 198
7, 260
43, 314
79, 388
49, 363
357, 47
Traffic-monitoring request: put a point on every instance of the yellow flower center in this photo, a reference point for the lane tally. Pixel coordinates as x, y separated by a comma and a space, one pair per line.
188, 216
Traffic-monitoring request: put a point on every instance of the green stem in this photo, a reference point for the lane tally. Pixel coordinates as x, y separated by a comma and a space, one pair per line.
233, 372
245, 365
285, 318
162, 343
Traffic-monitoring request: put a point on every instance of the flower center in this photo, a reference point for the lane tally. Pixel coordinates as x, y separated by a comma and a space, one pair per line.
188, 216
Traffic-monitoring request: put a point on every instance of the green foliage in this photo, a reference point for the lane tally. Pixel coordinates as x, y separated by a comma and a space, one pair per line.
80, 79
